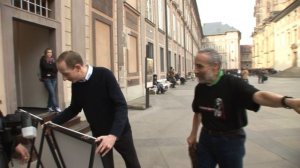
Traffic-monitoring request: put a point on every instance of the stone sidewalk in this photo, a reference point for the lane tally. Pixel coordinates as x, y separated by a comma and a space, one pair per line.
273, 134
160, 132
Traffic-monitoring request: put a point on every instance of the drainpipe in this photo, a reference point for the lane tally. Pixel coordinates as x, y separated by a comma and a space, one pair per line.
121, 42
184, 43
167, 36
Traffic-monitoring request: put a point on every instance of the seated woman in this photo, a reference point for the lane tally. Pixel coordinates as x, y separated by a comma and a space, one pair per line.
182, 80
171, 77
160, 87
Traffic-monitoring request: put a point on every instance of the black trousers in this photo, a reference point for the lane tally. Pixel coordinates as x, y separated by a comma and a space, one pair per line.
3, 158
124, 145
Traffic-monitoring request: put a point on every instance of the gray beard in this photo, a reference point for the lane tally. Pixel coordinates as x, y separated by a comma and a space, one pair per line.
208, 79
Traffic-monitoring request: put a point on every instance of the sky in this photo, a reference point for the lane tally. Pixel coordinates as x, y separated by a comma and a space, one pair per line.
235, 13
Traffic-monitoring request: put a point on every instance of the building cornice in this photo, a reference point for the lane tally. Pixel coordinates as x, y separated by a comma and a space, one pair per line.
286, 11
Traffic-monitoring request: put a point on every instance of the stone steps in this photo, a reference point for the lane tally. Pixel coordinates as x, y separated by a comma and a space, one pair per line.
293, 72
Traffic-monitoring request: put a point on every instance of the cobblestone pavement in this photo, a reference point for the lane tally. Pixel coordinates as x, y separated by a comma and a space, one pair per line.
273, 134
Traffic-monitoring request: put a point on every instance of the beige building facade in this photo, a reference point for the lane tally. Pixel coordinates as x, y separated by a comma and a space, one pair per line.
226, 40
277, 34
246, 56
133, 38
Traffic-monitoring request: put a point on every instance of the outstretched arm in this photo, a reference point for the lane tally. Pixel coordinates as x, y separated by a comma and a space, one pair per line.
192, 139
271, 99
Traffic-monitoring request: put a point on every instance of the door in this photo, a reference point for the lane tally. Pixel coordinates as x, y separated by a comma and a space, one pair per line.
30, 41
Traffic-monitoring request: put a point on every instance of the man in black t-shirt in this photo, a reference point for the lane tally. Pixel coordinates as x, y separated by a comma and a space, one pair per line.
220, 104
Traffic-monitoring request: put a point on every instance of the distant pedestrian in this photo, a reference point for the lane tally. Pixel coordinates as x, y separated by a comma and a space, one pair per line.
49, 78
262, 76
159, 86
171, 77
220, 104
245, 75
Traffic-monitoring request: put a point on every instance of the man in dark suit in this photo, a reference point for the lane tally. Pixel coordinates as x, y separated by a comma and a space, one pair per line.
97, 92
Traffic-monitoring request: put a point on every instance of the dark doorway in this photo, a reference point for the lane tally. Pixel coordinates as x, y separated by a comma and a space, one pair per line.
30, 41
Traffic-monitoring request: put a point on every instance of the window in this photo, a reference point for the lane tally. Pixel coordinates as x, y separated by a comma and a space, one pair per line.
161, 14
179, 33
103, 44
149, 10
182, 64
180, 5
149, 50
169, 21
162, 60
132, 54
174, 27
179, 64
175, 62
295, 36
182, 35
169, 59
40, 7
133, 3
103, 6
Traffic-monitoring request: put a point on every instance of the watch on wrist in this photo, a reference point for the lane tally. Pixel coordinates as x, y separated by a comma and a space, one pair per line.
283, 102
